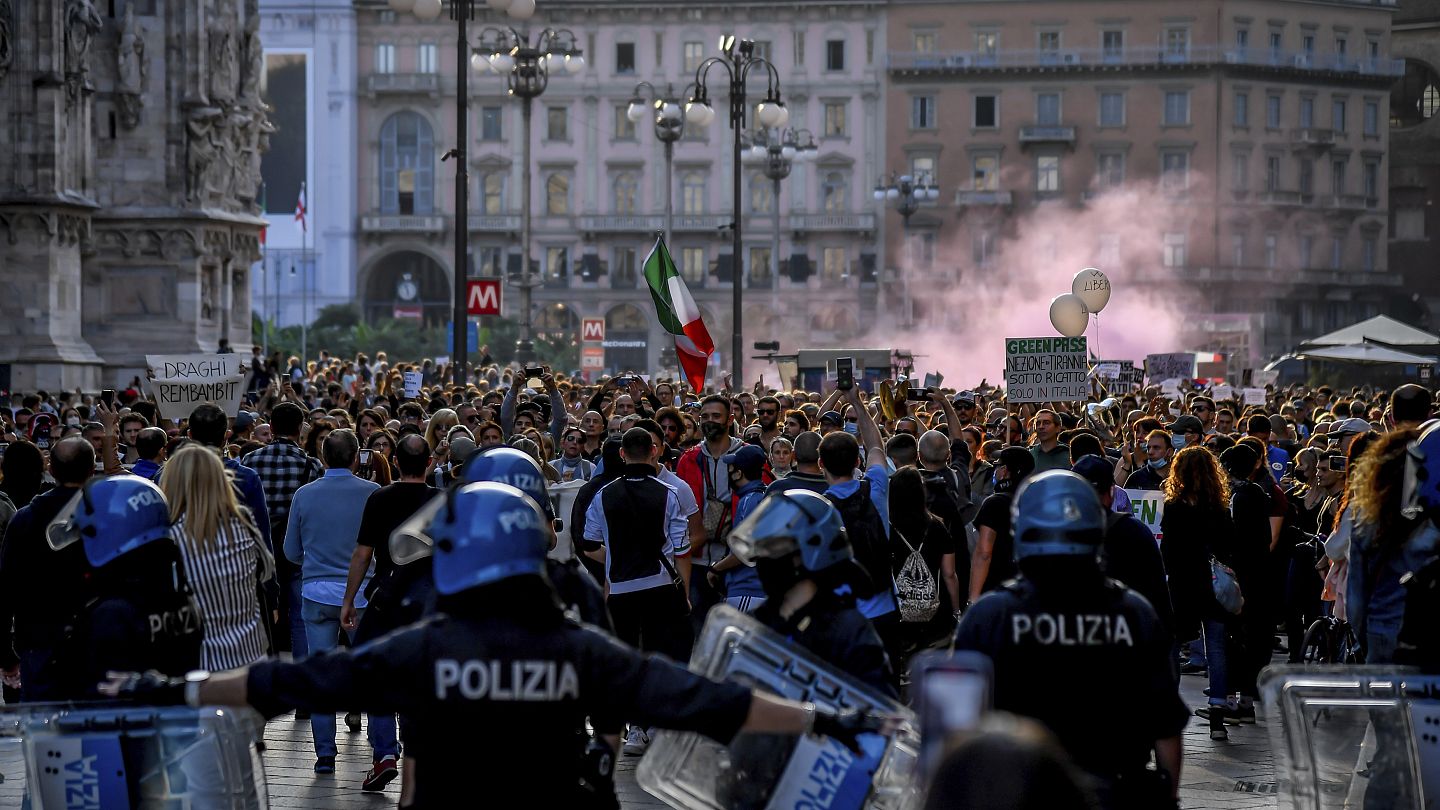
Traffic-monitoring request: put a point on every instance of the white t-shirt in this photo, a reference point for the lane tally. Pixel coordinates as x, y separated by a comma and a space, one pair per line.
685, 495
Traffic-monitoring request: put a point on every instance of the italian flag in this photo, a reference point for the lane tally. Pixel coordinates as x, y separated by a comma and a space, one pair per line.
678, 314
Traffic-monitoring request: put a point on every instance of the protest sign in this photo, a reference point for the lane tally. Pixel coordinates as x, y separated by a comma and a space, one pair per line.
1148, 507
1253, 396
1170, 388
413, 379
1049, 369
1180, 365
1107, 371
180, 382
1220, 393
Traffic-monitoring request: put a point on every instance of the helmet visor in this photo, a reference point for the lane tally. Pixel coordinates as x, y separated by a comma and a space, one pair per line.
412, 541
63, 531
770, 532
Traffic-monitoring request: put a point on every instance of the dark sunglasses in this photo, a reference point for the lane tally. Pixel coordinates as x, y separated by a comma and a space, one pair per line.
767, 412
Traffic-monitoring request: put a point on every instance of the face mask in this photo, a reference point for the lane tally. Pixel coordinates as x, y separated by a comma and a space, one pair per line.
72, 421
1003, 484
777, 577
1177, 441
853, 428
1157, 463
712, 430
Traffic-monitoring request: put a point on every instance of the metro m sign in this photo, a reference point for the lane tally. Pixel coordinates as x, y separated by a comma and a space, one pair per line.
592, 330
482, 296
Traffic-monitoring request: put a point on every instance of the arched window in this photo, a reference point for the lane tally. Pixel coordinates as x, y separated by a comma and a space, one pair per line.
557, 194
626, 188
833, 193
407, 165
626, 318
692, 193
762, 194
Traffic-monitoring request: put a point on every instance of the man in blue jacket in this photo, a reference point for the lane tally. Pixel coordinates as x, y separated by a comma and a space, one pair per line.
742, 583
320, 538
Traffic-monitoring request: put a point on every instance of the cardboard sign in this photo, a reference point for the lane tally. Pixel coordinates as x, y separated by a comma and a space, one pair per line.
413, 379
1220, 393
1107, 371
1253, 396
1148, 507
183, 381
1170, 388
1180, 365
1048, 369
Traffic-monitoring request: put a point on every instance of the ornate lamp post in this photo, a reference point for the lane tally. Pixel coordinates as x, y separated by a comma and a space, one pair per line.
669, 120
906, 193
775, 151
738, 59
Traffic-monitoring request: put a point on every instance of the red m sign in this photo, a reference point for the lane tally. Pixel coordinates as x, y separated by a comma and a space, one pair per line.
483, 296
592, 330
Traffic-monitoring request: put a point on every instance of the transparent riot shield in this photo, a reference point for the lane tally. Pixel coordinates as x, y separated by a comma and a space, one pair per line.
770, 772
1354, 738
130, 758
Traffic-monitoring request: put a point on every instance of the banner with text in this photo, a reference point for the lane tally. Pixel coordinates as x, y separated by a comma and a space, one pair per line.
1176, 366
1148, 507
1049, 369
181, 382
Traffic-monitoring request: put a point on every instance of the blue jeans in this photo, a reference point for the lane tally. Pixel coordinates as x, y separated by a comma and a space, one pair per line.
1217, 658
294, 611
322, 633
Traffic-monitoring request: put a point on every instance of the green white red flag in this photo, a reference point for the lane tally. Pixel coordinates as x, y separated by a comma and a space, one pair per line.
678, 314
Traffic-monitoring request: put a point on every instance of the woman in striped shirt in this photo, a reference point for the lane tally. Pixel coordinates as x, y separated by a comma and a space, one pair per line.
225, 558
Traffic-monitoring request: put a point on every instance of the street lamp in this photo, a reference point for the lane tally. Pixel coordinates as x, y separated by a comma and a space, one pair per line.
738, 58
775, 151
669, 126
906, 193
526, 66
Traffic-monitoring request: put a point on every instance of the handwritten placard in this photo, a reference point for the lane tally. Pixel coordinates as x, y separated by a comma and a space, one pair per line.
1254, 396
412, 383
1180, 365
181, 382
1051, 369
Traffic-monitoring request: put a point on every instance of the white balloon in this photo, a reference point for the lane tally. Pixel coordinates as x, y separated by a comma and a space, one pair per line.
428, 10
1068, 315
522, 9
1093, 287
498, 5
402, 6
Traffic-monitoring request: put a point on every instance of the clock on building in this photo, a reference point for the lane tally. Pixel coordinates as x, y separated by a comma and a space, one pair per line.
407, 289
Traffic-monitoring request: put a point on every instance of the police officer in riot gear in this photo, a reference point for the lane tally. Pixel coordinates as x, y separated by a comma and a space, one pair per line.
138, 612
499, 654
1062, 617
796, 541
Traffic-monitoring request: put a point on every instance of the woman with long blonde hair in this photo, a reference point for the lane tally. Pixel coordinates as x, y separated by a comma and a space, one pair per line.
225, 558
1197, 526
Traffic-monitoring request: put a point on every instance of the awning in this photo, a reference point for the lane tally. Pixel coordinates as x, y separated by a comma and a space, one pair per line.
1366, 354
1380, 329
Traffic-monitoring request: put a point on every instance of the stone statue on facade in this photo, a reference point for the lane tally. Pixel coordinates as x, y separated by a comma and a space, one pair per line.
82, 23
223, 59
130, 70
201, 153
254, 63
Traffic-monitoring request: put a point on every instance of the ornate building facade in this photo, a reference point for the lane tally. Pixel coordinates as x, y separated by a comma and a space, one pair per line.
132, 132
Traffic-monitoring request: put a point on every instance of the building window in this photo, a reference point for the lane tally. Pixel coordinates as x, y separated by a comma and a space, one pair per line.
624, 58
1276, 43
1337, 115
834, 193
1112, 44
1242, 109
491, 259
1175, 171
923, 41
982, 249
1372, 181
692, 192
1341, 45
1337, 251
759, 265
1240, 172
1107, 249
987, 112
556, 124
1177, 44
1272, 172
985, 173
1111, 169
1112, 109
1337, 176
833, 264
798, 43
762, 194
1173, 250
922, 166
1307, 177
694, 55
384, 58
491, 123
557, 194
1307, 112
1047, 173
1242, 39
624, 127
1272, 245
1307, 44
1372, 118
427, 58
622, 266
1410, 223
1047, 109
835, 123
692, 266
1049, 42
1368, 251
762, 48
1307, 251
987, 43
922, 112
557, 260
1177, 108
1237, 249
407, 165
627, 187
834, 55
1272, 112
492, 193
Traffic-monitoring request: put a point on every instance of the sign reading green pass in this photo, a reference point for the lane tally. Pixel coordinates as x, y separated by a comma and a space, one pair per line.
1050, 369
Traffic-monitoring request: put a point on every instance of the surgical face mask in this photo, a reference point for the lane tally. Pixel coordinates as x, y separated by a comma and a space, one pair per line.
1177, 441
72, 421
712, 430
1157, 463
852, 428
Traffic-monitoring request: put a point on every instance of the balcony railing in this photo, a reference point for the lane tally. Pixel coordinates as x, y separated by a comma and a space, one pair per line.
1311, 136
833, 222
1349, 202
495, 222
622, 223
383, 83
1070, 58
973, 199
700, 222
402, 223
1037, 133
1277, 197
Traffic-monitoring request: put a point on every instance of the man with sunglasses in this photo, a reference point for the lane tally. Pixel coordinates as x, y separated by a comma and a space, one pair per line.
964, 403
1203, 408
767, 416
572, 464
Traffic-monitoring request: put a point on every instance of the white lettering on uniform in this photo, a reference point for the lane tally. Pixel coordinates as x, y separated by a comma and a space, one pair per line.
1071, 630
523, 681
518, 518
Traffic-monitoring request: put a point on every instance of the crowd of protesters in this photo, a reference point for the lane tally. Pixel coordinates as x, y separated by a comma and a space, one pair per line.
280, 513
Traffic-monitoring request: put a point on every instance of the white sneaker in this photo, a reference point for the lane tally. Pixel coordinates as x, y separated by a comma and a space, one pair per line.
636, 742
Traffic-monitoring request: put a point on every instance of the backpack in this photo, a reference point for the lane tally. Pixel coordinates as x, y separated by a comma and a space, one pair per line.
915, 586
867, 537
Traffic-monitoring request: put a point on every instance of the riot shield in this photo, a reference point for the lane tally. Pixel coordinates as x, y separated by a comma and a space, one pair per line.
1354, 737
130, 758
769, 772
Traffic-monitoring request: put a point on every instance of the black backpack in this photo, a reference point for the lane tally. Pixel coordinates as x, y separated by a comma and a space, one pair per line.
867, 536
